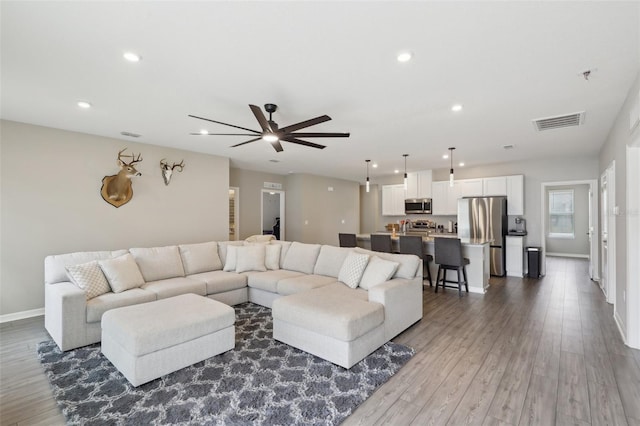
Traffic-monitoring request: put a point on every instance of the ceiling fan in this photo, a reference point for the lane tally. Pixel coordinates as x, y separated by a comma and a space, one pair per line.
272, 133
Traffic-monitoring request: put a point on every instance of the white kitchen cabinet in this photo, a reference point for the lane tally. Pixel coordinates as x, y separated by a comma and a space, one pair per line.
393, 200
494, 186
515, 195
440, 198
419, 184
470, 188
515, 256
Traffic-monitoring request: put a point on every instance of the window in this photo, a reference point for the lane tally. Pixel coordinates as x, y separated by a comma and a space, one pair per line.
561, 218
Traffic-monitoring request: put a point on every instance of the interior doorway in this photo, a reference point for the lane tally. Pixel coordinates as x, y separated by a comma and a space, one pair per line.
608, 232
234, 215
592, 222
272, 217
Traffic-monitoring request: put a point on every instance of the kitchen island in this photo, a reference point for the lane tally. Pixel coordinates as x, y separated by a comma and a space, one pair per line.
476, 250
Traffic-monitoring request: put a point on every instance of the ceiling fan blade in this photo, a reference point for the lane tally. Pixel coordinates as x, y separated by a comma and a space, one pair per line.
277, 146
320, 135
225, 124
261, 118
307, 123
249, 141
223, 134
301, 142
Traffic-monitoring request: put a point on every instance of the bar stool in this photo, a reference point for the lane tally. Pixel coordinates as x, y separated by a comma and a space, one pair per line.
381, 242
347, 240
413, 245
449, 257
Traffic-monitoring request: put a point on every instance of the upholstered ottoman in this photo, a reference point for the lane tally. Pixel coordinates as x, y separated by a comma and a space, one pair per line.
335, 323
152, 339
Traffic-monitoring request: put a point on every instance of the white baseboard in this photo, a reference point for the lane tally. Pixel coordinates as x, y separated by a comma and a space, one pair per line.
620, 325
579, 256
21, 315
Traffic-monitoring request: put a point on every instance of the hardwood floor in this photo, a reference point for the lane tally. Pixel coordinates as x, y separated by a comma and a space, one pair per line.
529, 352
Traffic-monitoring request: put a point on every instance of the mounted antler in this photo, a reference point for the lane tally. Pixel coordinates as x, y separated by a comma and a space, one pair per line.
167, 170
116, 189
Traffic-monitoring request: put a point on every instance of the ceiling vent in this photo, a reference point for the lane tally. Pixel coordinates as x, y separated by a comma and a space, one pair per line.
569, 120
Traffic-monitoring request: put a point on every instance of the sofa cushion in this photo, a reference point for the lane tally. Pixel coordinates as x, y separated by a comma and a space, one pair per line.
122, 273
101, 304
268, 281
302, 283
408, 263
89, 277
220, 281
176, 286
330, 260
284, 249
54, 265
222, 249
353, 268
330, 311
197, 258
272, 256
301, 257
158, 263
250, 258
377, 272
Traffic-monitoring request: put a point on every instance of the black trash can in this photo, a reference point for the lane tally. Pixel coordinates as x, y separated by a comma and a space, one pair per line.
534, 258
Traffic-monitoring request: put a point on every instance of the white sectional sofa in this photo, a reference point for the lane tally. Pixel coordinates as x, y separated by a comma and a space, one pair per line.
234, 272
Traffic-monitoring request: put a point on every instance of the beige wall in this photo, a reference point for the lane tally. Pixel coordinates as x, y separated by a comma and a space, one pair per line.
251, 185
579, 245
51, 203
370, 202
314, 214
615, 149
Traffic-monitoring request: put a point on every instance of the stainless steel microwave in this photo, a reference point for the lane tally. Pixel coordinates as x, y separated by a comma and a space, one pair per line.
417, 206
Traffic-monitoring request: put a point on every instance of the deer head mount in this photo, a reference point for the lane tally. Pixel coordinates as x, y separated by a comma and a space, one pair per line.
116, 189
167, 170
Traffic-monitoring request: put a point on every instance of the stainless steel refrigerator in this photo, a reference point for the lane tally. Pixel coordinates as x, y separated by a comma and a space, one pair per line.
485, 218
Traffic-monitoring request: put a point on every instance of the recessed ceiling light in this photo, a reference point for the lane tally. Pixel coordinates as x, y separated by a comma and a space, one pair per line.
84, 104
396, 171
404, 56
274, 161
508, 146
204, 132
445, 156
456, 108
131, 135
374, 165
131, 57
461, 164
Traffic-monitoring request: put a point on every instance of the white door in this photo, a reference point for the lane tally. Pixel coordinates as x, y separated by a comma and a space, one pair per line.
604, 233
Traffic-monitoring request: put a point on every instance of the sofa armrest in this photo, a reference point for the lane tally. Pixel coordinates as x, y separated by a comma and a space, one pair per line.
402, 300
65, 317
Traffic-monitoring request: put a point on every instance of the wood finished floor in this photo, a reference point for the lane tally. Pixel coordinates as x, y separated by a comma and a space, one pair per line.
529, 352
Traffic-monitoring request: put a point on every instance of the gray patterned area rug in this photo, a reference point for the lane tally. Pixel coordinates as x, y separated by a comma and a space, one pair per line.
260, 382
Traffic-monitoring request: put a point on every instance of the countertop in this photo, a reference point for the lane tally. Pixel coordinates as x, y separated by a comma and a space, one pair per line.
429, 239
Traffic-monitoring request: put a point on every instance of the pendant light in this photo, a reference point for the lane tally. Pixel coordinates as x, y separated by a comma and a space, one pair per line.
367, 184
406, 181
451, 169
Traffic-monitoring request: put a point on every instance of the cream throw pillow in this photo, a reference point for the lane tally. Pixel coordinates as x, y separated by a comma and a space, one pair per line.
377, 272
122, 273
272, 256
353, 268
250, 258
231, 260
202, 257
89, 277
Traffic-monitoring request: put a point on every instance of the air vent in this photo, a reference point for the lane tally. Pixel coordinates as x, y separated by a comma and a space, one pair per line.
131, 135
569, 120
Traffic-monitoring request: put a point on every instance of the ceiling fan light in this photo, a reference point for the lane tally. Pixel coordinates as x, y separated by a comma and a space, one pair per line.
204, 132
270, 137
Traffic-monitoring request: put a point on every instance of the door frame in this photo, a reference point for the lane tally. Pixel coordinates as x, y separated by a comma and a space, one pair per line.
609, 286
236, 212
593, 220
282, 210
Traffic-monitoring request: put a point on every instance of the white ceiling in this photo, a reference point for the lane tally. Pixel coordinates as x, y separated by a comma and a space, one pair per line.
506, 62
